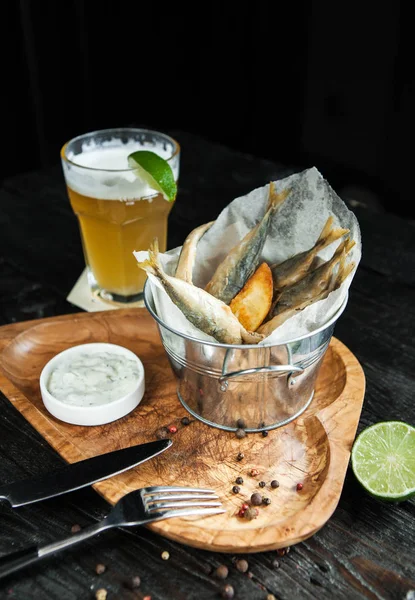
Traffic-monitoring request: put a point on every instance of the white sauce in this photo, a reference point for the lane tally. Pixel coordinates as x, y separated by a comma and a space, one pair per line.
93, 379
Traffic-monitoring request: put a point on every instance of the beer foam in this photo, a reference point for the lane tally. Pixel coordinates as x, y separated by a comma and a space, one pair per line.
102, 171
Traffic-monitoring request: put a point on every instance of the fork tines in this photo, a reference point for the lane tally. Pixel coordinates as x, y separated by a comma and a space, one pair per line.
159, 498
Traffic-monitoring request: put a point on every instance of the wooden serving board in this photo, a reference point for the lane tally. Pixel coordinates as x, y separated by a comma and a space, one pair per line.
313, 450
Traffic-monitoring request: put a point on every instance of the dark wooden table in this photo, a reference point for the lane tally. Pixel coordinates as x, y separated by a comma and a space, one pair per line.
366, 549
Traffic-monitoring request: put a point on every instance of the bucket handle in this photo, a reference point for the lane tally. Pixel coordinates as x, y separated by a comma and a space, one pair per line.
290, 369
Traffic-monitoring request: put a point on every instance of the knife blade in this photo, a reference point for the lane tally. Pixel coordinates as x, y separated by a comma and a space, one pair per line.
80, 474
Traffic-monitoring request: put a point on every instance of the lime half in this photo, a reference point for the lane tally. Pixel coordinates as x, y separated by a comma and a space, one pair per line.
155, 171
383, 460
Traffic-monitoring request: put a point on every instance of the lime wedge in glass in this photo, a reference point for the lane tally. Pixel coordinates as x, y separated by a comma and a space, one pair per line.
383, 460
155, 171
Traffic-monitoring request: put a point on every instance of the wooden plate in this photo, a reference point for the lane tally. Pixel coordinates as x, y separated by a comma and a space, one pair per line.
313, 450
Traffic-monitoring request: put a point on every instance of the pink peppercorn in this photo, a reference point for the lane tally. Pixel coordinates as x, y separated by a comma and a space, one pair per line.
299, 487
172, 429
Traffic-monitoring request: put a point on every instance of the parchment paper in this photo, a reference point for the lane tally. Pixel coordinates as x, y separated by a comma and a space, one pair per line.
295, 227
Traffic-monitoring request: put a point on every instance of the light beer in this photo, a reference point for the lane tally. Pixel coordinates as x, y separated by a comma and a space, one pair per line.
117, 213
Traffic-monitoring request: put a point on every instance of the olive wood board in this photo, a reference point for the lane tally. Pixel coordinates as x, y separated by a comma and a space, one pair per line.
313, 450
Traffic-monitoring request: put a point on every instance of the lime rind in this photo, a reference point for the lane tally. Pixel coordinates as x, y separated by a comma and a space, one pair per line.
383, 460
155, 171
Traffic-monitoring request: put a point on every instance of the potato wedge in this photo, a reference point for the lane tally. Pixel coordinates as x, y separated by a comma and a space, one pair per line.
252, 304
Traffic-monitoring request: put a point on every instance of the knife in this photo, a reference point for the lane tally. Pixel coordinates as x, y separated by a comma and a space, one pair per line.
80, 474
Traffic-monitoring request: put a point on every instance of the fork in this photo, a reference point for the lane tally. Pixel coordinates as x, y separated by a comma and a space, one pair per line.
136, 508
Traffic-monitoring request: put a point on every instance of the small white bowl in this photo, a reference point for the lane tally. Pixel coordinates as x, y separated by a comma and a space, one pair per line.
98, 414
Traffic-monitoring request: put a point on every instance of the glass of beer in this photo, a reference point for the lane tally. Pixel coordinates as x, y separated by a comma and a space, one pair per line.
118, 212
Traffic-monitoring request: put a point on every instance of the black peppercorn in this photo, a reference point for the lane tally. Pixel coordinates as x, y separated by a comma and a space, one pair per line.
228, 592
162, 433
264, 433
240, 456
240, 423
185, 421
240, 433
242, 565
262, 484
133, 583
221, 572
266, 501
239, 480
236, 489
275, 483
256, 499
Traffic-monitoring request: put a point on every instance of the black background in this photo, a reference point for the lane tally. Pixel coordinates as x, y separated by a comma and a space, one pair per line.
315, 83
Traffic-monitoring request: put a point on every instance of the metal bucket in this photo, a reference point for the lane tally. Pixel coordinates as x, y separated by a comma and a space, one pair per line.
254, 387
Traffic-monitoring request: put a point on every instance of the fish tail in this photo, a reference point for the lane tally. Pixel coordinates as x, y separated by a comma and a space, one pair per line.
349, 245
152, 264
343, 271
329, 234
345, 246
275, 199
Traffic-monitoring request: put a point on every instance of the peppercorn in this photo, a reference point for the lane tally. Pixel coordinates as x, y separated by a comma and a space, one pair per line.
250, 575
228, 592
100, 569
239, 480
242, 565
254, 472
275, 564
165, 555
275, 483
264, 433
133, 582
262, 484
266, 501
240, 423
256, 499
162, 433
221, 572
101, 594
240, 433
146, 597
299, 487
172, 429
270, 597
245, 506
240, 456
185, 421
75, 528
236, 489
251, 513
283, 551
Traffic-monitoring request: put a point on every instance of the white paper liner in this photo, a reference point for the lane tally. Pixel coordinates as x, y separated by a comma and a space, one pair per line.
295, 227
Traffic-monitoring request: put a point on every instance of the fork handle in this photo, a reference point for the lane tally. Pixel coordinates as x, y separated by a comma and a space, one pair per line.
17, 560
23, 558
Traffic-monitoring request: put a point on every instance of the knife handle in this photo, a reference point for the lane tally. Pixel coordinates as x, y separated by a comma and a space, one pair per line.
17, 560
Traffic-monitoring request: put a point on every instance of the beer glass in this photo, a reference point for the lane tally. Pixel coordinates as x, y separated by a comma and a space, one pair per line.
117, 211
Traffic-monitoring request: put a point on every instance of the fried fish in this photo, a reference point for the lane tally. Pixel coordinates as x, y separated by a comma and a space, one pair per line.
295, 268
316, 285
204, 311
241, 262
187, 256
